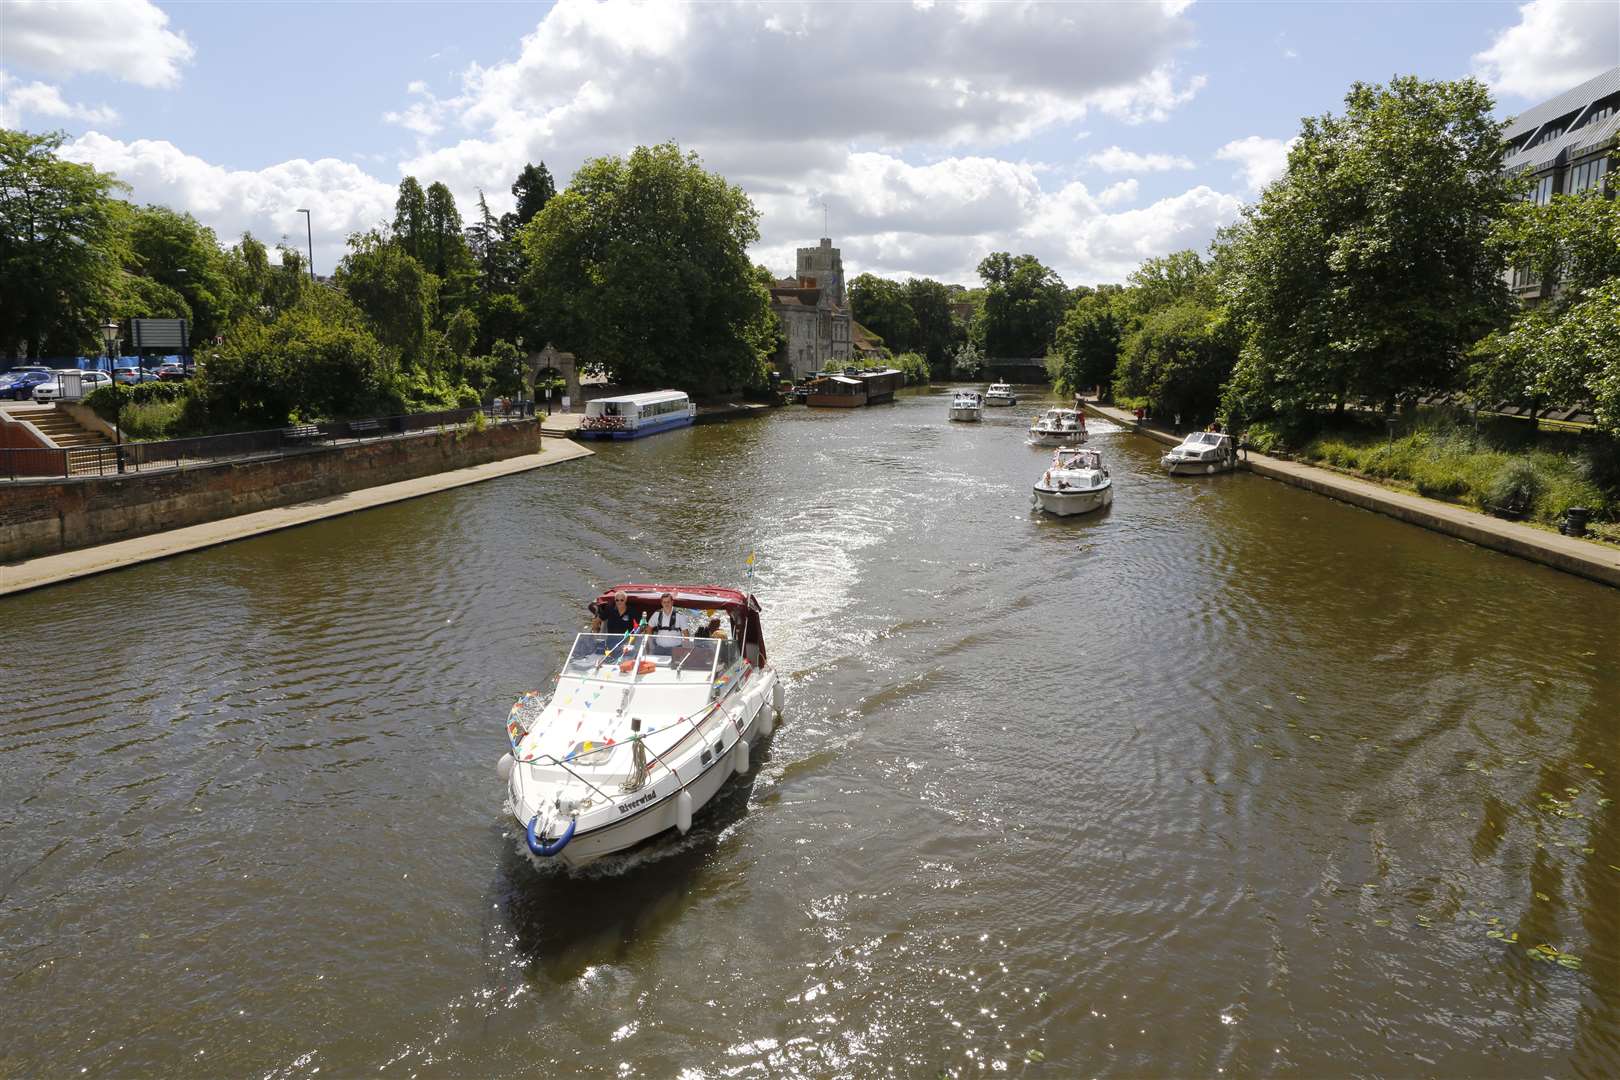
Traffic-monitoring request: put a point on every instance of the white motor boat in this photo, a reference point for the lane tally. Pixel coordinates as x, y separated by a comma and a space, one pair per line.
1000, 394
641, 730
1058, 427
1202, 453
1076, 483
967, 405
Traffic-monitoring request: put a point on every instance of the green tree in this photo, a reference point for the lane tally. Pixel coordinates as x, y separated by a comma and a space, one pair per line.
884, 307
1567, 348
938, 331
532, 190
1366, 269
1178, 358
182, 259
411, 218
315, 360
1088, 341
61, 245
641, 268
394, 292
1023, 302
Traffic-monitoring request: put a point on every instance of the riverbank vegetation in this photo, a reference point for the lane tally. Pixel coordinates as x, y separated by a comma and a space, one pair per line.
640, 268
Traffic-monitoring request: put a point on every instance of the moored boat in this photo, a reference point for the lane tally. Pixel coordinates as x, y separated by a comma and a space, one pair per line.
1000, 394
1201, 454
642, 728
635, 415
1076, 483
1058, 427
966, 405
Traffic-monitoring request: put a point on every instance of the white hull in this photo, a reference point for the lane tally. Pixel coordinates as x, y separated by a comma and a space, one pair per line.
1056, 438
638, 817
1197, 468
965, 414
1065, 503
1001, 401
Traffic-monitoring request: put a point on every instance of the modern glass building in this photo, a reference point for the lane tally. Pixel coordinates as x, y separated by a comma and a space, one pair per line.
1568, 146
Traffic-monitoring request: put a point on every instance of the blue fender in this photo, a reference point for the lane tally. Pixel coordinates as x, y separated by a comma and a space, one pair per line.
548, 850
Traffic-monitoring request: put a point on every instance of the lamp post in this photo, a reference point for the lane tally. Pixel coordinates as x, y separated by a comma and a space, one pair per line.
109, 334
309, 236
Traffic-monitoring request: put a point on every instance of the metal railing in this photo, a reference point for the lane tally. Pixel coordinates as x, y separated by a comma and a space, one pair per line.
18, 463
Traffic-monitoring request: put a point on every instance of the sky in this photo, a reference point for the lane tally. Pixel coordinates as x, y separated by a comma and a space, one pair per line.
926, 134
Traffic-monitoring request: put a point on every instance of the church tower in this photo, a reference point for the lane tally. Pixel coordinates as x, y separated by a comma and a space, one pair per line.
826, 265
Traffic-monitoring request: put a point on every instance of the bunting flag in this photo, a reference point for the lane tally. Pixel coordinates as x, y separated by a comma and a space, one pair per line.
749, 562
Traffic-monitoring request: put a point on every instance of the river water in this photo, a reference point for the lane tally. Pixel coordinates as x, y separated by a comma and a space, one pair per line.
1229, 780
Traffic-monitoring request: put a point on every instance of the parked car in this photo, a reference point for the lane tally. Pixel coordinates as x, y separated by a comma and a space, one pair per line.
130, 376
172, 372
21, 382
51, 390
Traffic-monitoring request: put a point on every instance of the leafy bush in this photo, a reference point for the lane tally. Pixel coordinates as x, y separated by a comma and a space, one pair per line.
154, 419
915, 365
1516, 486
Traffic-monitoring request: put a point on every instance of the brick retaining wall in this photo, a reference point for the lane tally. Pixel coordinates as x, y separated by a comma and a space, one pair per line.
46, 517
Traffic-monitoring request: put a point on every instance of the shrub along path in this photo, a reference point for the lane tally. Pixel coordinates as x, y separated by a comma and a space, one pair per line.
1587, 558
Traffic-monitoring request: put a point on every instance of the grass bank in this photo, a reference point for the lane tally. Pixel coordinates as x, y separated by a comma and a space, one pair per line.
1442, 455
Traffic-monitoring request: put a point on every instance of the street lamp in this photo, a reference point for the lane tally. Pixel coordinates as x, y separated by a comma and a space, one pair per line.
109, 334
309, 236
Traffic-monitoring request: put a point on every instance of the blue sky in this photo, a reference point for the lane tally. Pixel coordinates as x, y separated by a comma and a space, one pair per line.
1090, 134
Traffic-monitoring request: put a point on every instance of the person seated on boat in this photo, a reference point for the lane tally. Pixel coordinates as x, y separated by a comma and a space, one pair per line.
615, 618
668, 626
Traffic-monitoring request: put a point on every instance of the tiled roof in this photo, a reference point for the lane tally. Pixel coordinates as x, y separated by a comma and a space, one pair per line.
796, 297
1599, 86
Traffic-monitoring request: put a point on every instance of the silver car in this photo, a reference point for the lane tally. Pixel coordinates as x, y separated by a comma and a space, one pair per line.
88, 381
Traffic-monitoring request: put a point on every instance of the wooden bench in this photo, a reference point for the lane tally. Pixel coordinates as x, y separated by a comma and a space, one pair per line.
359, 428
300, 433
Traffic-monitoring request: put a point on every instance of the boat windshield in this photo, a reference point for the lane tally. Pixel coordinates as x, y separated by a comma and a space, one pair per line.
647, 657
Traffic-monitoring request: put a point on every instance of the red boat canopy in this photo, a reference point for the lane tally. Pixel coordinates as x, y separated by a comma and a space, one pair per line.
741, 606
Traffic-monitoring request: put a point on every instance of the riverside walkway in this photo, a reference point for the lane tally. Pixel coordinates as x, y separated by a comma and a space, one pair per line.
1588, 559
52, 569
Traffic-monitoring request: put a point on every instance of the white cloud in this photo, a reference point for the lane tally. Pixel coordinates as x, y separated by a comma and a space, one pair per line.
786, 100
128, 39
1115, 159
37, 99
1122, 192
1260, 160
343, 197
1556, 44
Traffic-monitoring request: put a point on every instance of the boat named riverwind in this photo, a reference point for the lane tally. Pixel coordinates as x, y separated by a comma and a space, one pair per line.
1076, 482
1201, 454
1058, 427
641, 729
635, 415
966, 405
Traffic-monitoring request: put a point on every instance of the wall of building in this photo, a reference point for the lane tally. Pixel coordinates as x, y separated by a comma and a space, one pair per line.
45, 517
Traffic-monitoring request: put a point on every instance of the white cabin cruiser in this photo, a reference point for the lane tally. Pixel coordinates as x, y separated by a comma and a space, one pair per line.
1058, 427
642, 729
1202, 453
1000, 394
967, 405
1076, 483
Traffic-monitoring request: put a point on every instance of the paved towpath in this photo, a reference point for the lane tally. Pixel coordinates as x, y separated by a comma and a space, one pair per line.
51, 569
1588, 558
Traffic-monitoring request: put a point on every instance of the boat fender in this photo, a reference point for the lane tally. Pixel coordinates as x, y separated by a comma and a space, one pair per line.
546, 851
741, 755
683, 812
778, 699
503, 767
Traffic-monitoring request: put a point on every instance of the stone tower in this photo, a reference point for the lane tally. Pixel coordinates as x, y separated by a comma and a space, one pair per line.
826, 265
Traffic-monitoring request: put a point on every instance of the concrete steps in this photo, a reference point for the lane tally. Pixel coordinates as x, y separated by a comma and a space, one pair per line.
57, 426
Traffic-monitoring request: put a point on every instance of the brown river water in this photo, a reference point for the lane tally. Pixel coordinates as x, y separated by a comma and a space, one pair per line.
1228, 780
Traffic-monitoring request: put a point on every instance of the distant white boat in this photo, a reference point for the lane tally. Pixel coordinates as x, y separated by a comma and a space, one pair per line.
1000, 394
1202, 453
635, 415
966, 405
1058, 427
1076, 483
